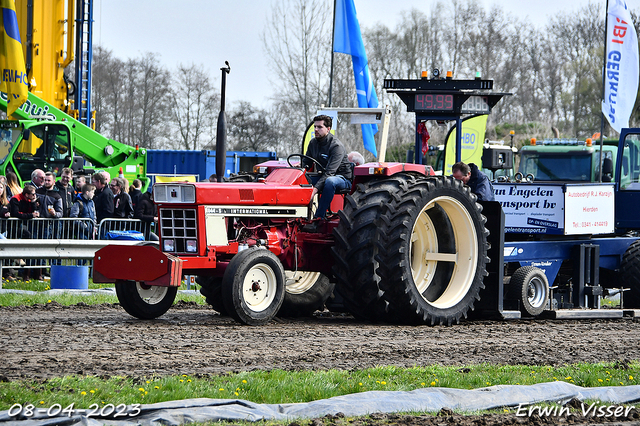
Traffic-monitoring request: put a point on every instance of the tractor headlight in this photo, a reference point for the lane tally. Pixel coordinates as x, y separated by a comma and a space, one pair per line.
160, 194
169, 245
191, 246
189, 194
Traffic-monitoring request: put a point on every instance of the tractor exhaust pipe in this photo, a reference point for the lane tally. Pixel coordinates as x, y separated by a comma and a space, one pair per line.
221, 134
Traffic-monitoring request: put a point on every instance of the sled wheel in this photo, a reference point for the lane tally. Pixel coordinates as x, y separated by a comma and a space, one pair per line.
356, 246
433, 252
530, 286
253, 286
145, 301
305, 293
630, 275
211, 289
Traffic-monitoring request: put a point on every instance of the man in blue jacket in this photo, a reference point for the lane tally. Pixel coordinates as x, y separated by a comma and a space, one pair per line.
475, 179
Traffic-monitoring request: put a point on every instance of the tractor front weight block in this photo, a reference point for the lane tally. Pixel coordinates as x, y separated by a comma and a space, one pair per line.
137, 263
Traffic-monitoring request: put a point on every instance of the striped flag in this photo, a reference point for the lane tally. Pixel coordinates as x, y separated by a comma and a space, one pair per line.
621, 69
14, 76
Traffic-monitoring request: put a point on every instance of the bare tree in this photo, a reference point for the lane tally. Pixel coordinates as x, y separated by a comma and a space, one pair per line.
297, 41
107, 92
193, 108
153, 99
102, 63
250, 129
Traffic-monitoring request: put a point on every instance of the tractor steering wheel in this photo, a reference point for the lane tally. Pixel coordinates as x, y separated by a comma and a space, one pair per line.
318, 165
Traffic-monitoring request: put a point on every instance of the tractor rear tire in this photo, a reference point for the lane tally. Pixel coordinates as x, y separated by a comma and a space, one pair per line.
630, 275
305, 293
529, 285
356, 246
211, 289
143, 301
432, 253
253, 286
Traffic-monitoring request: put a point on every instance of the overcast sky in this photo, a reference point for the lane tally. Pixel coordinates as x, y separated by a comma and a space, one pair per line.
209, 32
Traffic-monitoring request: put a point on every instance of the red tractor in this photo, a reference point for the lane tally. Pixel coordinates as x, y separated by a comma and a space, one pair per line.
403, 246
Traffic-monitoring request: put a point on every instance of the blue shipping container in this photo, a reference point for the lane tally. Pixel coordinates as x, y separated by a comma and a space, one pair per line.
202, 163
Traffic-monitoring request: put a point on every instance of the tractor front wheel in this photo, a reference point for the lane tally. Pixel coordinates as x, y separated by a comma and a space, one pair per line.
253, 286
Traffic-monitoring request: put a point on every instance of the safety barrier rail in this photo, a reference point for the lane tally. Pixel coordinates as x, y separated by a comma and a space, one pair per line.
42, 242
47, 229
109, 225
70, 228
44, 253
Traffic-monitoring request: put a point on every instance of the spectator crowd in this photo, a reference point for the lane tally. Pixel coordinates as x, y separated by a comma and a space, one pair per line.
47, 196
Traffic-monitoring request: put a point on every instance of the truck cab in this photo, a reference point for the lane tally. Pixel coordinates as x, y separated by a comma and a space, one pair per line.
627, 167
30, 144
563, 160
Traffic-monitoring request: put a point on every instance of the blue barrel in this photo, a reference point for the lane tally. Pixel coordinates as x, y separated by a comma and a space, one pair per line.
69, 277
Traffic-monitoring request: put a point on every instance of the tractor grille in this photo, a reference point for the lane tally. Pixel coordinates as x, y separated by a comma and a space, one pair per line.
180, 226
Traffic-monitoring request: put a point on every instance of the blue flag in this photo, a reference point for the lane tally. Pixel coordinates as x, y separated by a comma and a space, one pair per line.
348, 39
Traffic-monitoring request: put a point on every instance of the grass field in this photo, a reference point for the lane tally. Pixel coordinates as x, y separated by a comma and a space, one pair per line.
277, 386
39, 294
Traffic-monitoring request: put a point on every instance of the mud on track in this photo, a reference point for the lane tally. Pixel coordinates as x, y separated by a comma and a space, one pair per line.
54, 340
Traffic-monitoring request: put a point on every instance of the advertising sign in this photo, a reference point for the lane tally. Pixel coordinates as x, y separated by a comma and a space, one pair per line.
589, 209
531, 208
560, 209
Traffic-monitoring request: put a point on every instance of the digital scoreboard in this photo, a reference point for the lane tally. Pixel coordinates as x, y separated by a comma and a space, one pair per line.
444, 99
445, 96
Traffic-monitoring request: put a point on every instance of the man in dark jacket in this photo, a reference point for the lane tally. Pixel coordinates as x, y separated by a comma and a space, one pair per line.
135, 193
66, 191
473, 177
327, 150
147, 213
103, 199
37, 178
50, 207
49, 198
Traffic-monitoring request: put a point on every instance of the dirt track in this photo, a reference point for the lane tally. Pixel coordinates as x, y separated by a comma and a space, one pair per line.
52, 340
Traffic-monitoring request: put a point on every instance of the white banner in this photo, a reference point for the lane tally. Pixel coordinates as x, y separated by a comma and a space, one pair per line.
621, 69
589, 210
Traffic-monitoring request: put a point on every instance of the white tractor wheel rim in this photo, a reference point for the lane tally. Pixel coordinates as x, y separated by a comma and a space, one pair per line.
425, 255
151, 294
301, 281
259, 287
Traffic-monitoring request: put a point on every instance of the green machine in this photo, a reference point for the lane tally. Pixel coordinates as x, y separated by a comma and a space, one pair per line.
46, 138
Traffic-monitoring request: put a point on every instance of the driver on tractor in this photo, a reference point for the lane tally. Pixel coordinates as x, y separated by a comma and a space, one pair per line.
331, 154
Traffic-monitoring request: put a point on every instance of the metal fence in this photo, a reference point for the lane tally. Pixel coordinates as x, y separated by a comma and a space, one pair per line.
47, 229
110, 225
70, 228
42, 242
